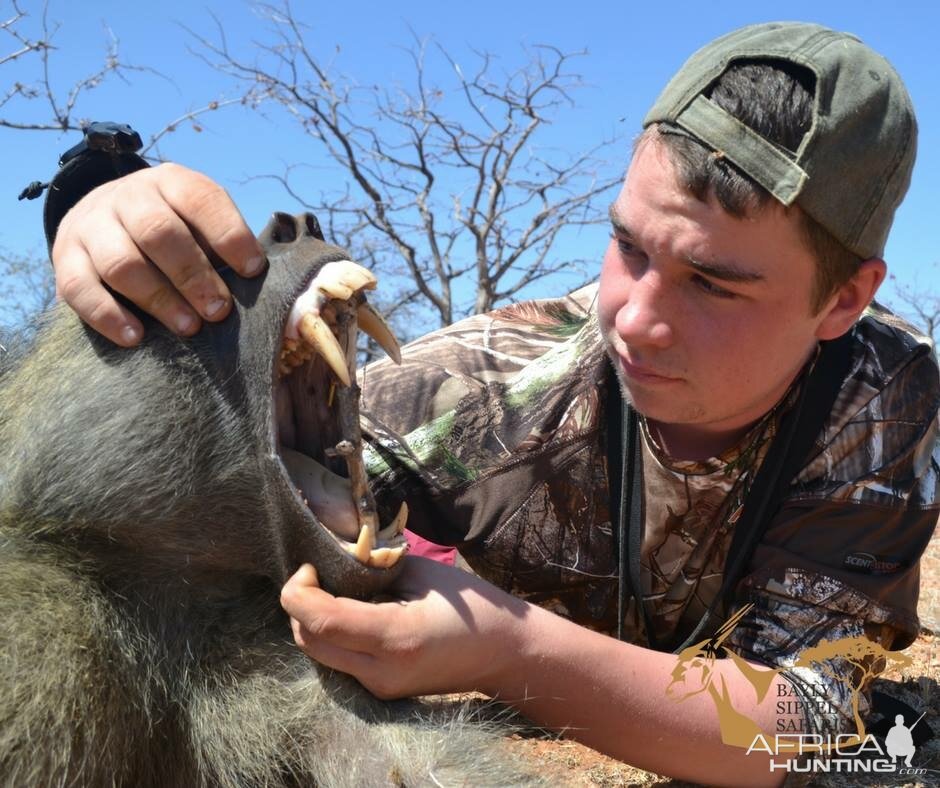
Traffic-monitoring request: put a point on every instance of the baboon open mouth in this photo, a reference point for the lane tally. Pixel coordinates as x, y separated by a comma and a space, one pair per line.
317, 411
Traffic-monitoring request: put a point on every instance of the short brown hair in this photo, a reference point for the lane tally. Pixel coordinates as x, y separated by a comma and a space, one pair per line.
775, 99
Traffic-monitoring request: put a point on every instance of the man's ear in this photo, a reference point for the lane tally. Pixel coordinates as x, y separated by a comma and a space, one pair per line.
849, 301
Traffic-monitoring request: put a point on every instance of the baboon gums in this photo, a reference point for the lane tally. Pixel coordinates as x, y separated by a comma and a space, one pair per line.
147, 522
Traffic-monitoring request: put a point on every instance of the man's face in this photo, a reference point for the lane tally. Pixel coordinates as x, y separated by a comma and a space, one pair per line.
706, 316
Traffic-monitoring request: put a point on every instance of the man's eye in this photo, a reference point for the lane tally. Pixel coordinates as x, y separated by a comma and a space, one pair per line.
712, 289
624, 246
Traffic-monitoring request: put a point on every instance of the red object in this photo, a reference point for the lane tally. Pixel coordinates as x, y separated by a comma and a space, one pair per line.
419, 546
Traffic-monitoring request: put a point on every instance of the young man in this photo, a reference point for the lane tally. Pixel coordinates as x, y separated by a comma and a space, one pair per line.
748, 231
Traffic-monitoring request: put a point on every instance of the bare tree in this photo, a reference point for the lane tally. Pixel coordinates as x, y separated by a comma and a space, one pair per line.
41, 104
26, 279
26, 287
59, 110
446, 185
920, 304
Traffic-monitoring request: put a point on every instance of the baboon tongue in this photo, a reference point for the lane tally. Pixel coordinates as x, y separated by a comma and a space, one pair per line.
329, 496
331, 499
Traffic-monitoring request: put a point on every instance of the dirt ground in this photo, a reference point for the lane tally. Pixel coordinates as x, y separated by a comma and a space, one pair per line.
567, 763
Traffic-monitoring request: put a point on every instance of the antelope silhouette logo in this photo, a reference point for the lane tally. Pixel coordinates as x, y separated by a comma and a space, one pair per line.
698, 670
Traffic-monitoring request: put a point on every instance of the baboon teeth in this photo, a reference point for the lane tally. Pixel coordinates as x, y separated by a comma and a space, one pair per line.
380, 550
385, 557
291, 359
365, 545
336, 289
375, 326
397, 526
378, 557
314, 330
324, 320
343, 278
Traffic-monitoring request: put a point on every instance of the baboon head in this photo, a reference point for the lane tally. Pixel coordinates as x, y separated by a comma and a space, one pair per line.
235, 453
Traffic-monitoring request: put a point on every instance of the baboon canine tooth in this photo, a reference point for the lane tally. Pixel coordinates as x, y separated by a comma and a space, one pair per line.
314, 330
343, 278
385, 557
375, 326
364, 545
396, 526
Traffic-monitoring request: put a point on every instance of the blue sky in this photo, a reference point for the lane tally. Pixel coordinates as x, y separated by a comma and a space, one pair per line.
633, 48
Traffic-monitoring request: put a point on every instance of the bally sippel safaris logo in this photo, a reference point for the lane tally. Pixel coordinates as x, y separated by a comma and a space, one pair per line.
790, 747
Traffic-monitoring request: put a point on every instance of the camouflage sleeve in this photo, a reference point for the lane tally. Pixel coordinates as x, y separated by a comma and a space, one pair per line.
430, 423
831, 642
441, 367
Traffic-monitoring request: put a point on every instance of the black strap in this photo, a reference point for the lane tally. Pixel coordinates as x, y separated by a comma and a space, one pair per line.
107, 151
787, 454
624, 442
627, 508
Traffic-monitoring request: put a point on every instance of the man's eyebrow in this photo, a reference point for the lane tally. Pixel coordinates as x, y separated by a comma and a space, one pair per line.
726, 271
617, 223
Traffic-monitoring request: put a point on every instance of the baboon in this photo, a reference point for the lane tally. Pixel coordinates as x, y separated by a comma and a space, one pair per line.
147, 522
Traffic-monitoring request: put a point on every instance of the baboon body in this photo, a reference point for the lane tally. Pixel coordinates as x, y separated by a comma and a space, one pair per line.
146, 525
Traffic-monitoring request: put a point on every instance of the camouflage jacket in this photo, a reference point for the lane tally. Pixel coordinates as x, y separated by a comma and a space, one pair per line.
494, 430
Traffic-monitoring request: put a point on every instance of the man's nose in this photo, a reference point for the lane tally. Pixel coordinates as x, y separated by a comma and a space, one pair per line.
646, 317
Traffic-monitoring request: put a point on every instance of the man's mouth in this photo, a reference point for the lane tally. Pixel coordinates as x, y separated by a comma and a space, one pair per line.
631, 369
643, 374
317, 411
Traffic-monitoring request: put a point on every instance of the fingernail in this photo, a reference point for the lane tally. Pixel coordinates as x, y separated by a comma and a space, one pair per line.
254, 265
130, 335
215, 306
185, 323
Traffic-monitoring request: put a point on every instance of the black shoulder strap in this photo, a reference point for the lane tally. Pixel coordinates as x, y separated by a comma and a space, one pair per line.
794, 440
625, 472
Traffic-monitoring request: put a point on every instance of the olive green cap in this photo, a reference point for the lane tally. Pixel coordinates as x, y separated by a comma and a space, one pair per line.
854, 164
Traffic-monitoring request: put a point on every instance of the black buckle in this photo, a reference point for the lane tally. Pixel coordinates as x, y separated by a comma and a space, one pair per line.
106, 136
115, 138
107, 151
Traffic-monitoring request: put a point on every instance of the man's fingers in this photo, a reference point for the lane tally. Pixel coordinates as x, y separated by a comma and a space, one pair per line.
347, 660
124, 268
153, 237
165, 239
78, 285
212, 218
343, 634
344, 623
305, 576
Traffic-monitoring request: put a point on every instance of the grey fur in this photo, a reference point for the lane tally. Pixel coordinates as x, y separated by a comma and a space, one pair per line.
145, 530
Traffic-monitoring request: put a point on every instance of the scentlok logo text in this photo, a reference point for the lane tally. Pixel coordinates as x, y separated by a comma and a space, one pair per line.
872, 564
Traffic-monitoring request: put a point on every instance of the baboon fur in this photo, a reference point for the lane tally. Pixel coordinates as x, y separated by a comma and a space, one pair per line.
145, 530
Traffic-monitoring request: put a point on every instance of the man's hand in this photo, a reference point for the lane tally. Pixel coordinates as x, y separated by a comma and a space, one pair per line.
448, 631
451, 632
150, 236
